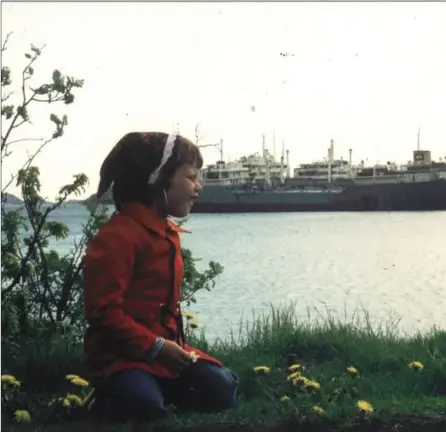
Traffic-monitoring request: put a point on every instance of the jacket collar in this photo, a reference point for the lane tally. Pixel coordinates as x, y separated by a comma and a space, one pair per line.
151, 219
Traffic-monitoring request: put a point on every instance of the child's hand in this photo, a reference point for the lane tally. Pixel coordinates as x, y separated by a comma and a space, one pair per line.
173, 356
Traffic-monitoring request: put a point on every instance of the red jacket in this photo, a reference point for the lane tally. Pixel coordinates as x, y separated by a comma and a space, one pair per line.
133, 270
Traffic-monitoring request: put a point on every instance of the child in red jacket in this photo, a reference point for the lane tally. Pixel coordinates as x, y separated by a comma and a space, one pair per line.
135, 348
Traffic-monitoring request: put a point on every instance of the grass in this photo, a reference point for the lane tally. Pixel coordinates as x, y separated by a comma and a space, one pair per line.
403, 398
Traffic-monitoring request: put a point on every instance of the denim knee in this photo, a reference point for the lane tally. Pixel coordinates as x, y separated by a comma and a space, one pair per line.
130, 395
216, 385
227, 390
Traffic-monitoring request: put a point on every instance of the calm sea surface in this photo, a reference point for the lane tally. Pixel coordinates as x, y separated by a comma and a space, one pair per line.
393, 264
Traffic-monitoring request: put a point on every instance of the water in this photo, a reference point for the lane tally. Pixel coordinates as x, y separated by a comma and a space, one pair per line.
393, 264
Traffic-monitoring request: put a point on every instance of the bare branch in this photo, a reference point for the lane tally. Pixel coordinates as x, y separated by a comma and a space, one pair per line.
5, 43
56, 99
25, 139
20, 124
5, 98
197, 133
27, 164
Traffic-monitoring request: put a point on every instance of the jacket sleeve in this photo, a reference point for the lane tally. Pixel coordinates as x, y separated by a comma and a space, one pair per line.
108, 268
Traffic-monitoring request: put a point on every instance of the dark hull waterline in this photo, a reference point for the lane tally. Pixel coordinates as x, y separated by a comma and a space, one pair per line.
416, 196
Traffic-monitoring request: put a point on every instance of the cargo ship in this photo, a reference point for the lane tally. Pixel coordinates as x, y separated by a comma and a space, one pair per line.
258, 183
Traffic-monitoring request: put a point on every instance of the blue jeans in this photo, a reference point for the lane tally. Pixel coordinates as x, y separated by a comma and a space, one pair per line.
137, 395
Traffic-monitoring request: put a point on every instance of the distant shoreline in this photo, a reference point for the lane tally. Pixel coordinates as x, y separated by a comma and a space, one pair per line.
11, 199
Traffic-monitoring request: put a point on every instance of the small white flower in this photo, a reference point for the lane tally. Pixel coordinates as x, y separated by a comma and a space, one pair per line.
193, 357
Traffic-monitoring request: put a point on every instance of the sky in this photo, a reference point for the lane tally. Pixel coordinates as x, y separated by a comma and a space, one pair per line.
367, 75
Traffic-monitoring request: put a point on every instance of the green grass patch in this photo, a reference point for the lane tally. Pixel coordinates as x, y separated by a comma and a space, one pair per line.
402, 397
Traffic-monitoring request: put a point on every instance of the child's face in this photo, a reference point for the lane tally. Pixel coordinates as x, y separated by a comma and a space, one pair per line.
184, 188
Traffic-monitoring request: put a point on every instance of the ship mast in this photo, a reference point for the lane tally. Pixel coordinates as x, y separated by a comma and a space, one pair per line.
219, 146
282, 161
330, 160
274, 144
265, 157
418, 140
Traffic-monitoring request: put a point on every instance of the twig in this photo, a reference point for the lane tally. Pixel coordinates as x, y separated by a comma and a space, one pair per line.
25, 103
25, 139
197, 133
5, 98
5, 43
27, 164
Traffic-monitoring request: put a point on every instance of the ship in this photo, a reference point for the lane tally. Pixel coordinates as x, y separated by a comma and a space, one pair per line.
258, 183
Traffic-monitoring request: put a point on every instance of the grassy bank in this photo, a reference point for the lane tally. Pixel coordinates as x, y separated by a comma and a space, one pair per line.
397, 394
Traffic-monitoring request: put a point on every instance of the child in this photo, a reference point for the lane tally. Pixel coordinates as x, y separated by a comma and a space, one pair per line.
135, 348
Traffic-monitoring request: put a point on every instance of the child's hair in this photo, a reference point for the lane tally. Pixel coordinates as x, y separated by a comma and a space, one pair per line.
135, 157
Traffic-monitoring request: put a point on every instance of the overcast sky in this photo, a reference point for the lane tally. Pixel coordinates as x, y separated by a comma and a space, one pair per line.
365, 74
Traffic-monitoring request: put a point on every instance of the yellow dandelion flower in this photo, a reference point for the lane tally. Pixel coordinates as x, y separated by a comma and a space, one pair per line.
293, 376
365, 406
318, 410
285, 398
74, 399
295, 367
261, 370
351, 370
416, 365
70, 377
189, 315
10, 379
300, 380
313, 385
194, 325
79, 382
22, 416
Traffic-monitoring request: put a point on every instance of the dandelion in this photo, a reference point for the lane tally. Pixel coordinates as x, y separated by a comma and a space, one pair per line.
71, 377
285, 398
416, 365
22, 416
351, 370
79, 382
189, 315
193, 357
312, 385
66, 403
74, 399
318, 410
365, 406
293, 376
300, 380
261, 370
10, 379
194, 325
295, 367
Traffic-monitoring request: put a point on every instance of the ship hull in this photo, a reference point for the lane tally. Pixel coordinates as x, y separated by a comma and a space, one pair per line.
410, 196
